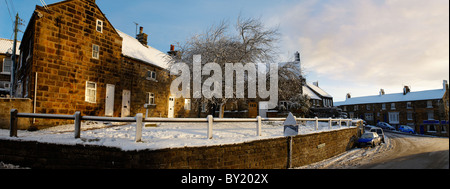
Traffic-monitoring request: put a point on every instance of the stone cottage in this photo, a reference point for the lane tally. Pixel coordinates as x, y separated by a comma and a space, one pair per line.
73, 59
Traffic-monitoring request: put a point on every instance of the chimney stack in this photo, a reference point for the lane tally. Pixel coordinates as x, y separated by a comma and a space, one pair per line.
173, 52
348, 96
445, 85
406, 90
382, 92
142, 37
316, 83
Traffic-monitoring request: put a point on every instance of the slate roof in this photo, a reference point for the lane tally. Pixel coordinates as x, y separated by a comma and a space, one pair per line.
396, 97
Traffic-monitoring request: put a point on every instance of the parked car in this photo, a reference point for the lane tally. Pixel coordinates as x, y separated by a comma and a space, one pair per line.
369, 139
406, 129
379, 131
385, 126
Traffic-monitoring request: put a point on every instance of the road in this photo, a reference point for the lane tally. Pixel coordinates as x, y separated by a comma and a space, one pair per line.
412, 152
400, 151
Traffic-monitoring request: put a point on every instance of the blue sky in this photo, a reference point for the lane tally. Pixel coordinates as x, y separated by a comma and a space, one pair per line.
349, 46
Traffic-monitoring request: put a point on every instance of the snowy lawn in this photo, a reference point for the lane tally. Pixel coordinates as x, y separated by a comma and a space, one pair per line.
165, 135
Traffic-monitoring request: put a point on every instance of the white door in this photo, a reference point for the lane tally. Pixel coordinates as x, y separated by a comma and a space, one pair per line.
109, 106
126, 95
171, 107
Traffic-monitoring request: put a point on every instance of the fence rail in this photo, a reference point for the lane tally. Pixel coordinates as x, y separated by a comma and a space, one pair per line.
15, 115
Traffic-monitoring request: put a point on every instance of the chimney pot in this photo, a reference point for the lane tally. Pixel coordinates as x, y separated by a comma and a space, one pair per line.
406, 90
382, 92
348, 96
141, 30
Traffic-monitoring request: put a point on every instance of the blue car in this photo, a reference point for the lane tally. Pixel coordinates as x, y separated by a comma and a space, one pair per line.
369, 139
406, 129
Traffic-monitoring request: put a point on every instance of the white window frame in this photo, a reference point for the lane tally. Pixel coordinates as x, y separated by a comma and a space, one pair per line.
5, 69
187, 104
88, 98
150, 98
408, 105
99, 24
95, 52
430, 115
151, 75
368, 107
409, 116
429, 104
368, 116
394, 117
393, 106
383, 106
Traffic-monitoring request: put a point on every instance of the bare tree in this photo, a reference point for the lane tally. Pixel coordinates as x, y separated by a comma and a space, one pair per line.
250, 42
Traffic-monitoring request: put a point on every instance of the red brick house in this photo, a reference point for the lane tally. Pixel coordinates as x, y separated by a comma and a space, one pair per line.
425, 111
73, 59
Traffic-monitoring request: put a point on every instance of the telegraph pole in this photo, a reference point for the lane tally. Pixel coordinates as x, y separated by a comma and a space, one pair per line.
13, 57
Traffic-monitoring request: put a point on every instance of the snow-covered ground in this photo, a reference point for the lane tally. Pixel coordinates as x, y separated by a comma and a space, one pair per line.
349, 159
165, 135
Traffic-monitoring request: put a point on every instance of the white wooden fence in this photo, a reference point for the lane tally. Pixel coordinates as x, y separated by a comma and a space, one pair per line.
140, 120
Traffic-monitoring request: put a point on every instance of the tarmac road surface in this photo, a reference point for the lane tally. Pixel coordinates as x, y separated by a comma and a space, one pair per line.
412, 152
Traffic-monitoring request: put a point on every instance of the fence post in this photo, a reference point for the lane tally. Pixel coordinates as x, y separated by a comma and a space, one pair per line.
330, 123
340, 123
13, 123
210, 126
258, 126
77, 116
139, 127
317, 123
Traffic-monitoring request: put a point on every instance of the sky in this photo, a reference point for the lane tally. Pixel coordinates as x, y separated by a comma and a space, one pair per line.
349, 46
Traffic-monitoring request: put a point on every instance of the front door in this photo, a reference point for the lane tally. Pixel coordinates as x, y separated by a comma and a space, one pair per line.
252, 109
126, 95
171, 107
109, 106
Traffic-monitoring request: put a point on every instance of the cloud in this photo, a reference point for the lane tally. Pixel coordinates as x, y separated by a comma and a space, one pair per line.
384, 43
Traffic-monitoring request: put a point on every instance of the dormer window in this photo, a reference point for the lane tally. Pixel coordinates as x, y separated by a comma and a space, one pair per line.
99, 26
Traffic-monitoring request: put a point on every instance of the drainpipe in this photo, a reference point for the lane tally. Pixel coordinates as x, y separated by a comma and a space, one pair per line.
35, 92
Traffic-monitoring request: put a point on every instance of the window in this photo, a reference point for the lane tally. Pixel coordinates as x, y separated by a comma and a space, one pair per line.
368, 106
431, 128
356, 107
151, 75
351, 115
409, 105
187, 104
409, 116
150, 98
7, 65
429, 104
95, 51
394, 117
393, 106
99, 26
383, 106
430, 115
369, 116
345, 108
91, 92
284, 105
443, 129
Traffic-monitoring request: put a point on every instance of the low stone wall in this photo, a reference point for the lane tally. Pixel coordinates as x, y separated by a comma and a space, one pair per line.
24, 105
263, 154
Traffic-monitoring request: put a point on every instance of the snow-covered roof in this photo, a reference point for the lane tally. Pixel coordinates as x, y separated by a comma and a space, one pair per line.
132, 48
6, 45
318, 90
396, 97
310, 93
